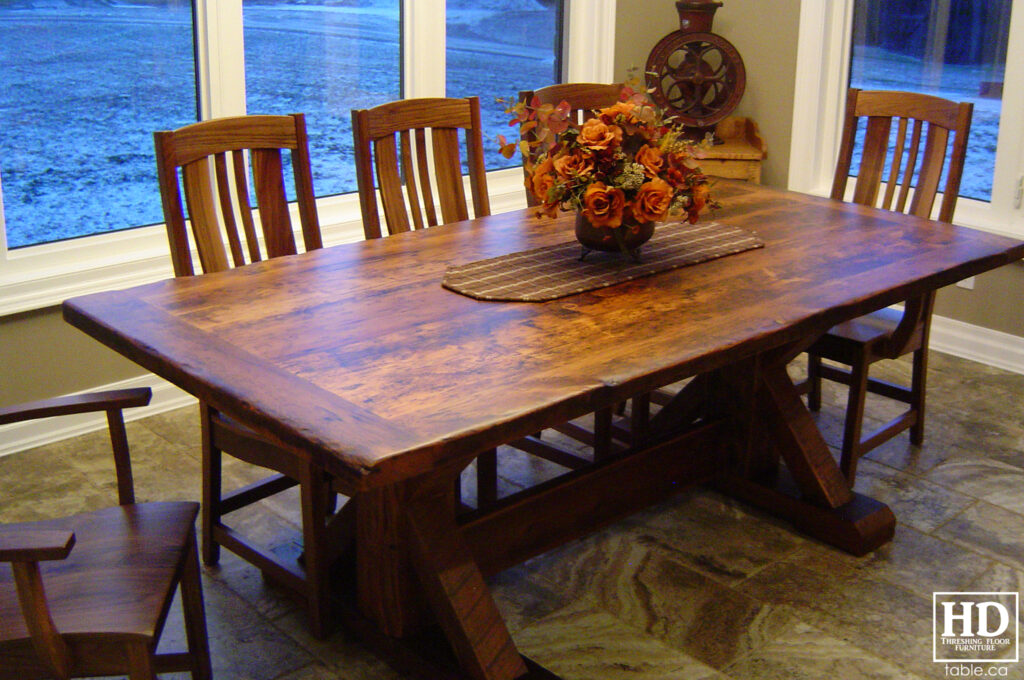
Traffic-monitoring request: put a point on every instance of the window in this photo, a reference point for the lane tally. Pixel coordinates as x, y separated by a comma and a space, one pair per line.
499, 51
956, 49
87, 84
266, 56
323, 59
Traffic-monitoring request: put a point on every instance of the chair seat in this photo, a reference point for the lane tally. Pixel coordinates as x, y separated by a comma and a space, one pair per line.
118, 580
849, 338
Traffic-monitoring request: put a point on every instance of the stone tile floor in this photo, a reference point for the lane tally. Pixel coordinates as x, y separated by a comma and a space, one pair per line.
698, 587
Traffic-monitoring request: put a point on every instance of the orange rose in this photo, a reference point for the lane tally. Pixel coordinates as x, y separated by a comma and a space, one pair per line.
697, 203
598, 135
574, 165
625, 109
650, 157
542, 180
604, 205
652, 201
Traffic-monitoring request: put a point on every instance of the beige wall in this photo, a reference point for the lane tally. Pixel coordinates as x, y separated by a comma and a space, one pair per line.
994, 303
41, 356
769, 57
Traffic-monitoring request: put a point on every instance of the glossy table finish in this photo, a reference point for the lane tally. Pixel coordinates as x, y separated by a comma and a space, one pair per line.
357, 357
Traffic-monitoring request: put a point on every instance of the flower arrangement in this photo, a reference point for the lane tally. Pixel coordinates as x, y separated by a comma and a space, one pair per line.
626, 166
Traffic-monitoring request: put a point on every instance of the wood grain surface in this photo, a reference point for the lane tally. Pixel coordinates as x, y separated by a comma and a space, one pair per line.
355, 355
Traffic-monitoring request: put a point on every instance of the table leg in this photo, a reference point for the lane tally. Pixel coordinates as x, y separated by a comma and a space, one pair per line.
414, 569
818, 500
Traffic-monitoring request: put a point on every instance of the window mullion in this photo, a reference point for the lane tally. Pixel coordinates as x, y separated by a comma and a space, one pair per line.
590, 27
1010, 145
423, 48
220, 51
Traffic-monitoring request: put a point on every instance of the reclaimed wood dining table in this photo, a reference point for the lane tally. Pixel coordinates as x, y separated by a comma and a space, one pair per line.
354, 356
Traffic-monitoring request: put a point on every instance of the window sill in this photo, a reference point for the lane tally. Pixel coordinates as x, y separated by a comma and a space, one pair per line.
44, 276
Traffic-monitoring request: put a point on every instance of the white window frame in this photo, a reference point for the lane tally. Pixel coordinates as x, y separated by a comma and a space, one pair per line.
42, 276
822, 75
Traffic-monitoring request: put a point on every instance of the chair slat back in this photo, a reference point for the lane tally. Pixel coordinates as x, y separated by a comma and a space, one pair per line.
218, 198
414, 146
915, 166
583, 99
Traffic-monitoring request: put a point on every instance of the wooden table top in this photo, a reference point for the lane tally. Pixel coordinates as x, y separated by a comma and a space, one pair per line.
357, 356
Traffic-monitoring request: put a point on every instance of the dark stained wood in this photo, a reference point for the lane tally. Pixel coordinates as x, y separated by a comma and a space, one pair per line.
455, 588
88, 595
860, 342
316, 381
583, 501
315, 353
217, 201
77, 403
392, 138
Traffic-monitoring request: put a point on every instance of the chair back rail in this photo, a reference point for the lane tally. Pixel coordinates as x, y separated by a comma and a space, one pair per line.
583, 100
218, 197
929, 121
414, 146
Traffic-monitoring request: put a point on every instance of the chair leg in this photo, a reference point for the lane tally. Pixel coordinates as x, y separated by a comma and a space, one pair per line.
312, 484
854, 420
487, 478
211, 512
814, 382
140, 662
195, 615
918, 384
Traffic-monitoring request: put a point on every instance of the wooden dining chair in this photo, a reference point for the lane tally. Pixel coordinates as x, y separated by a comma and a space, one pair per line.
215, 159
583, 100
396, 141
908, 133
88, 595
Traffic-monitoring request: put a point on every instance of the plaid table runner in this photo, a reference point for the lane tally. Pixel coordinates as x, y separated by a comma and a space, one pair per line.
556, 271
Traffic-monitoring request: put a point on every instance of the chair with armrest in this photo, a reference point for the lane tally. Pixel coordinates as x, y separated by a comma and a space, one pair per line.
215, 158
88, 595
910, 185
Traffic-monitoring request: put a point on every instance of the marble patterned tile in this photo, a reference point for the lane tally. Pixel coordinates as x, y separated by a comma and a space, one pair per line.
523, 600
179, 426
648, 590
989, 530
714, 535
916, 502
808, 653
339, 656
990, 480
584, 642
913, 560
243, 644
867, 612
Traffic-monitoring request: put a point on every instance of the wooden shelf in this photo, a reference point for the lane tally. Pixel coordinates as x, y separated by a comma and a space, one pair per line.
740, 154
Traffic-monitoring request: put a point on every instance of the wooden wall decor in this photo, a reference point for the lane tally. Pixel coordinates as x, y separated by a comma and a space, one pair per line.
695, 74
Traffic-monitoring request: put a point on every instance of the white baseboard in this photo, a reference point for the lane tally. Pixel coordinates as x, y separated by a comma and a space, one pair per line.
22, 436
986, 346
